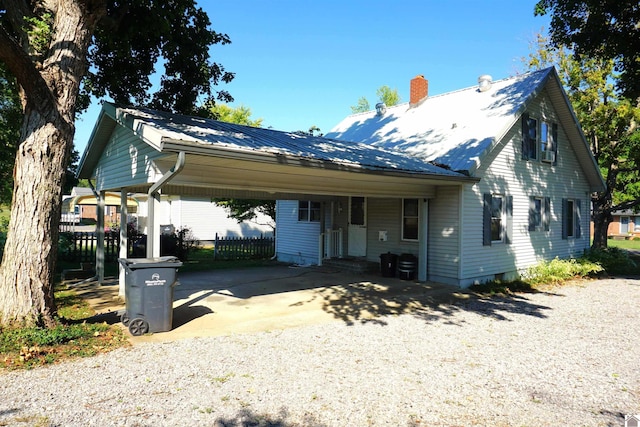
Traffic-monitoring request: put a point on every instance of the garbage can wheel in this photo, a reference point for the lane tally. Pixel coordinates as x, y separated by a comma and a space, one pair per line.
138, 326
125, 319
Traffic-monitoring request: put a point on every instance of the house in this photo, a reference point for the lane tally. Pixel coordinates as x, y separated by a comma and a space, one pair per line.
626, 223
477, 184
175, 211
138, 150
530, 175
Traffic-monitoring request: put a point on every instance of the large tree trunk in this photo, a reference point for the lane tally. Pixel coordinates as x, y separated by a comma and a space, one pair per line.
28, 264
601, 220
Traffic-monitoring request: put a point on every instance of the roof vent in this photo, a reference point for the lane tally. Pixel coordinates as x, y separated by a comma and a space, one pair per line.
484, 82
381, 108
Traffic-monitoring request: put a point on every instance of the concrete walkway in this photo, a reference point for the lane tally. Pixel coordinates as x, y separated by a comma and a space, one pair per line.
227, 302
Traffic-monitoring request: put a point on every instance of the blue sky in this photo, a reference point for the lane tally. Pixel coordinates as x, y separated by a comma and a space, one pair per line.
303, 63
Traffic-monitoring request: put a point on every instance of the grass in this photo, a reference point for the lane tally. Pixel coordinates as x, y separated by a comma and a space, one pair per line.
624, 244
74, 336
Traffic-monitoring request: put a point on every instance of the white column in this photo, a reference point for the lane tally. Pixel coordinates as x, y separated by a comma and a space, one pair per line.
124, 238
424, 240
100, 235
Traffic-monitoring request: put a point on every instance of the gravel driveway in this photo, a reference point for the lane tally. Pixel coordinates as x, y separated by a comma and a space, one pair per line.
570, 356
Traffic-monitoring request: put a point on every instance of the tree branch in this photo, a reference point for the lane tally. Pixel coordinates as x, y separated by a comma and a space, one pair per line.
626, 205
23, 69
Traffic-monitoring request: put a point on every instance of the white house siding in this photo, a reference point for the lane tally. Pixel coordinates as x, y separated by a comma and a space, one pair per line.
386, 215
508, 174
297, 241
125, 161
443, 246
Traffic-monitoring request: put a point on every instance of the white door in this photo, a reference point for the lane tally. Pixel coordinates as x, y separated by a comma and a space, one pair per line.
357, 226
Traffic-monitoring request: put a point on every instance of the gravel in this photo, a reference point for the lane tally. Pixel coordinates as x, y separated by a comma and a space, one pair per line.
568, 356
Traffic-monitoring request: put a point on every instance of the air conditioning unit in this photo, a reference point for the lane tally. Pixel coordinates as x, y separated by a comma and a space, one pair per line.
548, 156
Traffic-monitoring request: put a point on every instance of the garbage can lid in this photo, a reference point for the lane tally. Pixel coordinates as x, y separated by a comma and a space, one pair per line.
163, 261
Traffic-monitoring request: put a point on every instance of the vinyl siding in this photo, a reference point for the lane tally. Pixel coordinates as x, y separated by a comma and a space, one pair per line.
297, 241
126, 161
386, 215
508, 174
444, 236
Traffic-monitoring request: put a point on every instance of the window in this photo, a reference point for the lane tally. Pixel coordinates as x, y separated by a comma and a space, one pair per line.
571, 219
543, 138
529, 137
539, 213
308, 211
497, 219
410, 219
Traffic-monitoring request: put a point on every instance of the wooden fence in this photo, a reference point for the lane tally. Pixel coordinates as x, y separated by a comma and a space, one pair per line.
82, 246
230, 248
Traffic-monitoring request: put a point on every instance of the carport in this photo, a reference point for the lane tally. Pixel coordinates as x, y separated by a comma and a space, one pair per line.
147, 151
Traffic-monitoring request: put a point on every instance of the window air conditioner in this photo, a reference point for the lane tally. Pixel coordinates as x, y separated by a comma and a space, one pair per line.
548, 156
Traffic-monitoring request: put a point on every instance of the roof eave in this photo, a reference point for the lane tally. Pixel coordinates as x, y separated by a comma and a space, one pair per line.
196, 148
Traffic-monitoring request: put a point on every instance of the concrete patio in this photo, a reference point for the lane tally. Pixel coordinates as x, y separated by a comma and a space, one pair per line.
225, 302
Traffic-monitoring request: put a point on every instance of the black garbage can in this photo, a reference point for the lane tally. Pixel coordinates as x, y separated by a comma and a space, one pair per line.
407, 266
388, 264
148, 292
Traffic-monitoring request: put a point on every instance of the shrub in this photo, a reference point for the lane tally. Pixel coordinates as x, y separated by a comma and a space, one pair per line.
4, 225
558, 271
613, 260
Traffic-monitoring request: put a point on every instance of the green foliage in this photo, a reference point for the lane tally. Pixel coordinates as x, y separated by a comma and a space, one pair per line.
607, 30
609, 122
361, 107
4, 225
389, 96
132, 39
239, 115
613, 260
10, 122
559, 271
38, 28
248, 209
385, 94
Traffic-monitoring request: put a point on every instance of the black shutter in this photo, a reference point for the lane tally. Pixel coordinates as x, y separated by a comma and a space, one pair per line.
546, 219
554, 137
486, 220
532, 213
565, 213
578, 219
526, 149
508, 228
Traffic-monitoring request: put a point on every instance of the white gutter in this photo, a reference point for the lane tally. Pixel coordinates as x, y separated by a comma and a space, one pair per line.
153, 231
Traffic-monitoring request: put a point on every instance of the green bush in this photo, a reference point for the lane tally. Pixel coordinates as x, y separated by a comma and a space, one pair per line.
558, 271
613, 260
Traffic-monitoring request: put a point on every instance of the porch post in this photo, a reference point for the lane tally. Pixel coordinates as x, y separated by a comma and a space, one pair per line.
124, 238
153, 226
424, 239
100, 236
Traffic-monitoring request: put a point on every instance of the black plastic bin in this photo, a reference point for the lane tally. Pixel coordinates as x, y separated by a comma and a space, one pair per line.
407, 266
148, 291
388, 264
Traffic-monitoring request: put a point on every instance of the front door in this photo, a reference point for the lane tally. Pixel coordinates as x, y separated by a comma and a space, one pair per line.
357, 226
624, 224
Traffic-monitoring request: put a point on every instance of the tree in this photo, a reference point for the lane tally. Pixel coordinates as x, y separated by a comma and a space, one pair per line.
609, 122
599, 29
361, 107
385, 94
10, 119
60, 52
389, 96
240, 115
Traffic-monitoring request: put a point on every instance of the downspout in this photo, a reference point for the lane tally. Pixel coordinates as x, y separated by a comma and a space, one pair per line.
153, 196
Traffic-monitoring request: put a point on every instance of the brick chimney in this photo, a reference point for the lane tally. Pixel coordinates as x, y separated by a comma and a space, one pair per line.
419, 90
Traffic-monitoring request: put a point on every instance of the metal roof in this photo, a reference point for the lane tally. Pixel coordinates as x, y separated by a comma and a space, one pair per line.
158, 127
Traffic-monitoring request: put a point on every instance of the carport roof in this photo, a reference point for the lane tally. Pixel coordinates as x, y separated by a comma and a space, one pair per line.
168, 132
